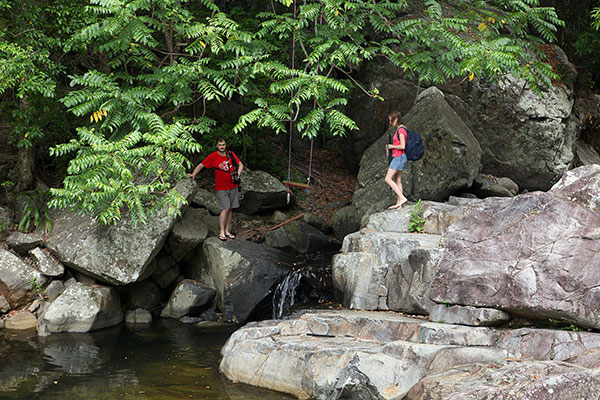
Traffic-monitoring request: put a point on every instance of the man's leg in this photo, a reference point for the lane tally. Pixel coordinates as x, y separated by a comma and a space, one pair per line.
224, 216
228, 223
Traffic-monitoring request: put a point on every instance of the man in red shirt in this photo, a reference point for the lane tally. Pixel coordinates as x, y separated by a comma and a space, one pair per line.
225, 189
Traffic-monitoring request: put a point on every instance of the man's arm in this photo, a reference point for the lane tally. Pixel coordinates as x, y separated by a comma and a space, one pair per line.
240, 168
196, 171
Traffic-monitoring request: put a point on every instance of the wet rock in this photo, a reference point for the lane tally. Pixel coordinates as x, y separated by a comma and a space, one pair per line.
307, 239
345, 221
318, 223
241, 272
145, 294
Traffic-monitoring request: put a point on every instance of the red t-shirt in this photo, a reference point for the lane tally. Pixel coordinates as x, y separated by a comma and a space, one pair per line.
223, 179
396, 141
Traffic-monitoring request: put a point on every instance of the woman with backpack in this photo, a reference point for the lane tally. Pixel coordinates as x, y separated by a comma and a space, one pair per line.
399, 162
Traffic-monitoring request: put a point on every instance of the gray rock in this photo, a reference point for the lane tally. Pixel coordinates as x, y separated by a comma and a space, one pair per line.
118, 254
552, 271
241, 272
138, 316
189, 298
345, 221
317, 222
18, 278
2, 323
279, 239
279, 216
70, 282
207, 200
262, 193
526, 137
47, 264
386, 271
81, 308
21, 321
187, 233
53, 290
472, 316
6, 218
308, 239
166, 271
23, 242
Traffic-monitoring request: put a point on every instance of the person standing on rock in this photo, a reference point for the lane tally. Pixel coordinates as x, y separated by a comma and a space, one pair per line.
399, 162
222, 161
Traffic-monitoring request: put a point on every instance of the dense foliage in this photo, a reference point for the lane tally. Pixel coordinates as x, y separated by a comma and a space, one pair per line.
148, 77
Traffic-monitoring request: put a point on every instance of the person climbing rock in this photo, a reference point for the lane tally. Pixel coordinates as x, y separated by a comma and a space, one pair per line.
399, 162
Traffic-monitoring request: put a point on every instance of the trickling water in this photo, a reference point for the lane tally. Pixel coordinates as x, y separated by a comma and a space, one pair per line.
309, 282
283, 297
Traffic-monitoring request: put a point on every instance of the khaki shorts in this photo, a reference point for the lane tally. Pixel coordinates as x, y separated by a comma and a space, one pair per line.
227, 199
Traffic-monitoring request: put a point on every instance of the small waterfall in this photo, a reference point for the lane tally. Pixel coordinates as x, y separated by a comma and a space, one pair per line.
284, 294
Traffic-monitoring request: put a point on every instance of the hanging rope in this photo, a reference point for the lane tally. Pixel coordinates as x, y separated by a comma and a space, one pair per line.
291, 130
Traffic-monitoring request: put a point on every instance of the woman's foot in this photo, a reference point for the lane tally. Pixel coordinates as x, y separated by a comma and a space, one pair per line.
222, 237
230, 235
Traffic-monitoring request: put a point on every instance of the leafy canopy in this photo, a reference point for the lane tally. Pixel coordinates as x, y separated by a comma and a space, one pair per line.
288, 66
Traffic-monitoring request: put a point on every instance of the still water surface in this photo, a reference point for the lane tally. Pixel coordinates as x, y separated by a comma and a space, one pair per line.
168, 360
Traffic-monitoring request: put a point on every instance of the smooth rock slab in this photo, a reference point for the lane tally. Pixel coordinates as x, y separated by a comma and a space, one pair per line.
81, 308
375, 355
46, 263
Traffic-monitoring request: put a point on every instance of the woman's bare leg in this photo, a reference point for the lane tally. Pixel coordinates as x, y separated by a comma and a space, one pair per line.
391, 181
402, 199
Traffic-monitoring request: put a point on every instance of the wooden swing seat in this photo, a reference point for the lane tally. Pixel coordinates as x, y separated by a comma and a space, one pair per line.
297, 184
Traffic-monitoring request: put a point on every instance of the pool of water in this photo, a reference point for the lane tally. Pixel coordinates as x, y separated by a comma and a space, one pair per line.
167, 360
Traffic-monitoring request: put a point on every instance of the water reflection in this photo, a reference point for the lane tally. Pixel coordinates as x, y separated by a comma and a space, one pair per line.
169, 360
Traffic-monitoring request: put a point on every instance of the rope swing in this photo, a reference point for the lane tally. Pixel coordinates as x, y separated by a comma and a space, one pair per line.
288, 183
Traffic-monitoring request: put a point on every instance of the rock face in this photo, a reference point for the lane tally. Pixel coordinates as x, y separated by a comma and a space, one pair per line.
535, 255
522, 135
386, 271
240, 271
187, 233
368, 355
300, 237
450, 164
81, 308
46, 263
17, 278
117, 254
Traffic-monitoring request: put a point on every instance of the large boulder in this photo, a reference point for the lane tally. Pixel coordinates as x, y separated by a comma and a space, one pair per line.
117, 254
300, 237
450, 164
18, 280
524, 136
534, 255
242, 273
81, 308
262, 193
